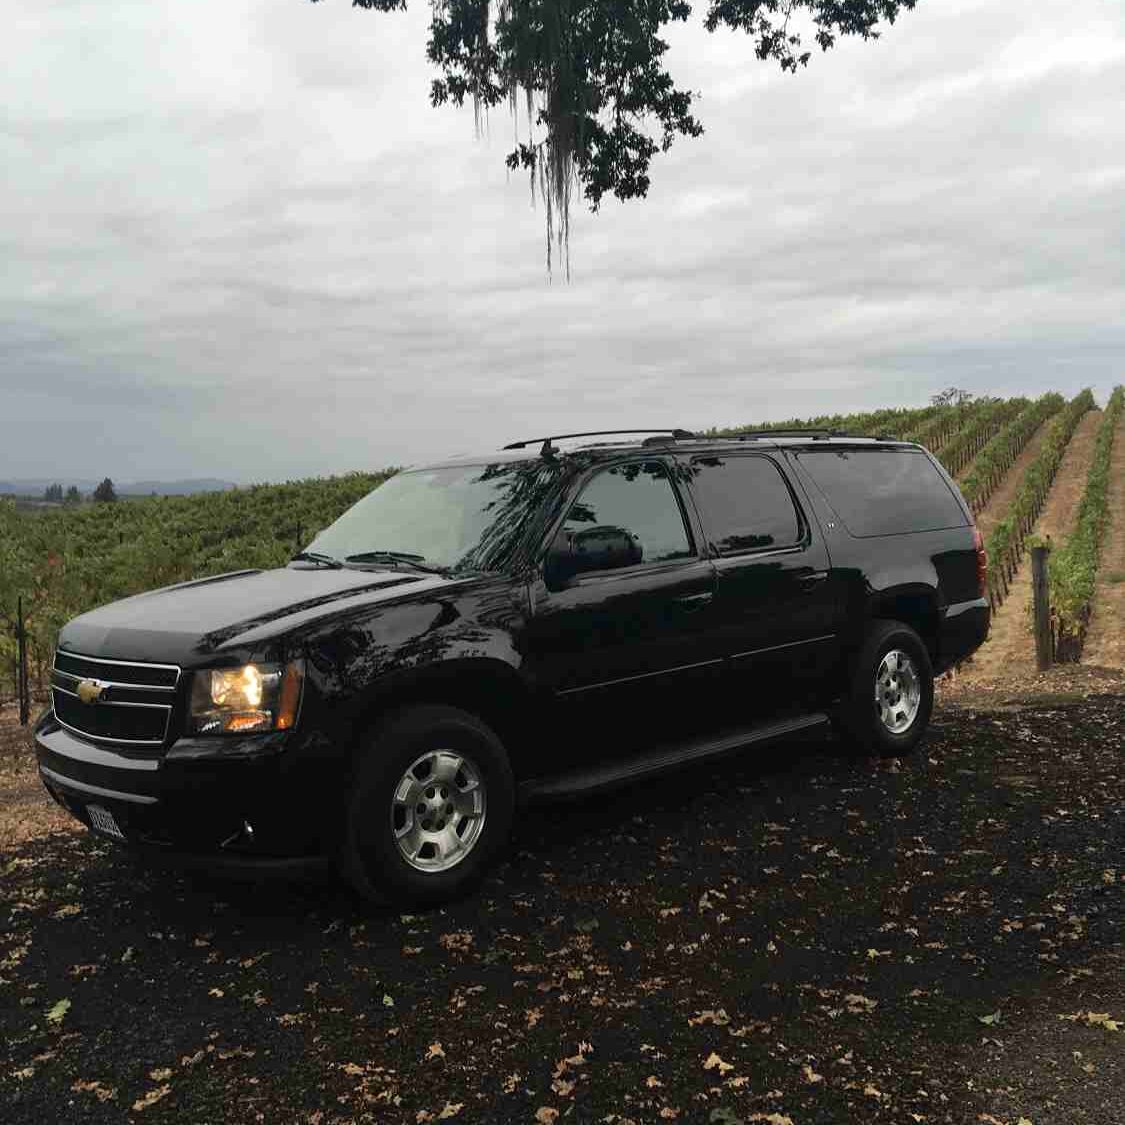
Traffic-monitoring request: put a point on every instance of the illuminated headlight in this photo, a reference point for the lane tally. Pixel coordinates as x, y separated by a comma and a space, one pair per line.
255, 697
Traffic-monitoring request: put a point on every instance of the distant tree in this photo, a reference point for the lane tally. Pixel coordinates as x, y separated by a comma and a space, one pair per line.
105, 493
593, 79
951, 396
73, 496
53, 494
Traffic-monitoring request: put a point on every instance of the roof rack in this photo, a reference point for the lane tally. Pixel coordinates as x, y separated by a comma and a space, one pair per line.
548, 449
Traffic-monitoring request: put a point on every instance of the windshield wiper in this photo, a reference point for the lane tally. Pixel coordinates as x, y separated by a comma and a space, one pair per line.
395, 557
317, 557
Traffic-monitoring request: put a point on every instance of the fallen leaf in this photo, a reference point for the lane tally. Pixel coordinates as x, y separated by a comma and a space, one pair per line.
435, 1051
714, 1061
991, 1018
652, 1082
68, 911
451, 1110
151, 1098
1095, 1019
718, 1017
57, 1011
811, 1076
459, 941
102, 1093
160, 1074
545, 1115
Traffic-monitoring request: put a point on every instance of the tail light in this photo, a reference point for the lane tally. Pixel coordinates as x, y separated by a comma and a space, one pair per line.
982, 563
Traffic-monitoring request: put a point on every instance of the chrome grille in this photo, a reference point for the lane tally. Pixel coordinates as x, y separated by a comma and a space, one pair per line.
135, 704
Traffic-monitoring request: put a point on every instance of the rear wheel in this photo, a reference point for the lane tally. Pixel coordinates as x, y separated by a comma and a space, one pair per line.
431, 804
890, 694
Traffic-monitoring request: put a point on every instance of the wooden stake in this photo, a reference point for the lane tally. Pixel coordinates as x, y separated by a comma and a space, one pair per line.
1042, 604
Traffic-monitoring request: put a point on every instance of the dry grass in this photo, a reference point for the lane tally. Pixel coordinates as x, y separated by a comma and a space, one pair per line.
26, 812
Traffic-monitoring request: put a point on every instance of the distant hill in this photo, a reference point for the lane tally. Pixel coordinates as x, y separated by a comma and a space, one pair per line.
34, 486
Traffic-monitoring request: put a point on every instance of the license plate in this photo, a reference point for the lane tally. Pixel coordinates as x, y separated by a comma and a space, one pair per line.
102, 820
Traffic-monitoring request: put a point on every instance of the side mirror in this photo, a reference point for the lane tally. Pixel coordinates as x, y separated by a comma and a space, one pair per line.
593, 548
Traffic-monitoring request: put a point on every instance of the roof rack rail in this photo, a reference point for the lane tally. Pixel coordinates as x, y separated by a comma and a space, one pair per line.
548, 449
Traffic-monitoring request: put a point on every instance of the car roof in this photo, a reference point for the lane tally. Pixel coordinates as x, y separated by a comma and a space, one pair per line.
593, 451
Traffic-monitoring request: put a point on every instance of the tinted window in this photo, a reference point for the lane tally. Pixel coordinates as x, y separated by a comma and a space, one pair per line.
745, 503
883, 491
638, 499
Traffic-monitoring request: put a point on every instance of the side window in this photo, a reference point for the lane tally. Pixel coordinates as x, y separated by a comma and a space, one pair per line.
745, 503
884, 491
634, 505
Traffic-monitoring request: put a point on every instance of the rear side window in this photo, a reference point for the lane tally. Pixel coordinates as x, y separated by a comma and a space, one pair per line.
883, 491
745, 503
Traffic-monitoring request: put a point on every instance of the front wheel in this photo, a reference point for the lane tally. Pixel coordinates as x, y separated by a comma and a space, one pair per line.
890, 695
431, 804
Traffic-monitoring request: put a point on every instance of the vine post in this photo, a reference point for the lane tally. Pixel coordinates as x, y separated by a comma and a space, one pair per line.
1042, 608
21, 656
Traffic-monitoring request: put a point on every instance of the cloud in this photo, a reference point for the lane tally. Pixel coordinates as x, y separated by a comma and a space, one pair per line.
241, 243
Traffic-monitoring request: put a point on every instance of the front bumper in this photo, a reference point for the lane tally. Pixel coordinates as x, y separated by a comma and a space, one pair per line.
259, 803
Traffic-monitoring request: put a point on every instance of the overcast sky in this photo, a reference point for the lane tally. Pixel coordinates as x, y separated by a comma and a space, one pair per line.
236, 240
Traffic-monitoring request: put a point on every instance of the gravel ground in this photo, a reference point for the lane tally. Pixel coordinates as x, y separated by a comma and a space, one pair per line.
784, 938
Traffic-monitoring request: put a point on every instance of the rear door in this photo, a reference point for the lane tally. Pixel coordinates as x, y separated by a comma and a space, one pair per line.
776, 614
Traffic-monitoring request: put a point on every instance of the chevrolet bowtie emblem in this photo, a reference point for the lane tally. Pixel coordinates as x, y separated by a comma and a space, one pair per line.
90, 691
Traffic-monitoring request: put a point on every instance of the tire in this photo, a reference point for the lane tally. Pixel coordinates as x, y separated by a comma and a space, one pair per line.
434, 780
889, 698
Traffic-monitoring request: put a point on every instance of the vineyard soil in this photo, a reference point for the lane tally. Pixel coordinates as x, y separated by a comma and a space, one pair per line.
1009, 652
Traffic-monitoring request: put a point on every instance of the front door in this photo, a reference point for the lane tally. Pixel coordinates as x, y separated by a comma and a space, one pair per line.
620, 646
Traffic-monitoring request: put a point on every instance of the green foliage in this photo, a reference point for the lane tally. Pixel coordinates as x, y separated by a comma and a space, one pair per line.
1073, 567
1006, 543
67, 560
894, 422
998, 455
980, 425
600, 101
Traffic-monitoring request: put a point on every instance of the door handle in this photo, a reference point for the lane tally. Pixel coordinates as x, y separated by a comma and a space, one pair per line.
808, 580
695, 601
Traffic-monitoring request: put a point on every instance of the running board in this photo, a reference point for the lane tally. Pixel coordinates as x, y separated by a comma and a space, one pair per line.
662, 759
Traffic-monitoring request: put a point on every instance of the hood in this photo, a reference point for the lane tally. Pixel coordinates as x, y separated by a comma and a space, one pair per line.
185, 623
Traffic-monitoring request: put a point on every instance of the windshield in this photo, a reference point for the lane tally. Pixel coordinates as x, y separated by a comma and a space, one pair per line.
464, 517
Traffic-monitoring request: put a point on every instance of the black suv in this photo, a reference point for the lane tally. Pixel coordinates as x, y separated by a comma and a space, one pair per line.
541, 622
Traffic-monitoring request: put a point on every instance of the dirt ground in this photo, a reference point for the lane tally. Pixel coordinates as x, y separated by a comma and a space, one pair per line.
787, 937
1010, 651
1105, 642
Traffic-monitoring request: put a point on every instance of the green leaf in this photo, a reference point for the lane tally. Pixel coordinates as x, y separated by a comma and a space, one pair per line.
57, 1010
